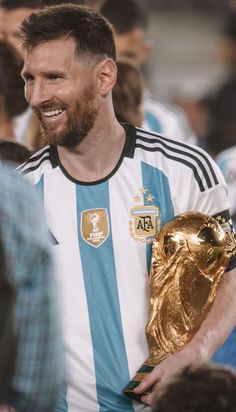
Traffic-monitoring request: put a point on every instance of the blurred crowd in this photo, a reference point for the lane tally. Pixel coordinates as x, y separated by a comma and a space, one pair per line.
209, 122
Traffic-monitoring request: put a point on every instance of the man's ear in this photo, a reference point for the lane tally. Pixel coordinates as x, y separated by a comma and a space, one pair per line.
106, 76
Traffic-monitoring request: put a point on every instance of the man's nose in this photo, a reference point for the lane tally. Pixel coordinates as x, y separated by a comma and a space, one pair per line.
37, 94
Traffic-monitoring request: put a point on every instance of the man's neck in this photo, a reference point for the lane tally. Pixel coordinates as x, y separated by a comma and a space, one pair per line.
97, 155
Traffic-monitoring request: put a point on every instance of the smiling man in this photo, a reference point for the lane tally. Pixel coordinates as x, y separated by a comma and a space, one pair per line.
98, 179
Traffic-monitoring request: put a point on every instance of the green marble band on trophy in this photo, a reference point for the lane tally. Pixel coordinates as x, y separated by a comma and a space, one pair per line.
141, 373
189, 258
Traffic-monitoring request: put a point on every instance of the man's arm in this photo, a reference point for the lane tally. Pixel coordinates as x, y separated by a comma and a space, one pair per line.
212, 334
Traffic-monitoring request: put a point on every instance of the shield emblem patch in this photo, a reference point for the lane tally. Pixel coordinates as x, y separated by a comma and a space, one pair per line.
95, 227
144, 224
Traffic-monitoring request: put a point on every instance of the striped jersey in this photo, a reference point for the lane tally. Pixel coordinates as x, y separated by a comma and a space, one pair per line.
102, 232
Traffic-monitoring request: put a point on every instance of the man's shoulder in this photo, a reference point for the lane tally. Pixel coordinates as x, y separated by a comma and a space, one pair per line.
167, 141
38, 160
168, 154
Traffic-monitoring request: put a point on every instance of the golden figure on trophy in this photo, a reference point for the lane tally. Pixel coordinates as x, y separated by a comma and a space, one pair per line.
189, 258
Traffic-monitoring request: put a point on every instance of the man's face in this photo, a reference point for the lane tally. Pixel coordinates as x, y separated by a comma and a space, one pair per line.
11, 22
60, 88
133, 46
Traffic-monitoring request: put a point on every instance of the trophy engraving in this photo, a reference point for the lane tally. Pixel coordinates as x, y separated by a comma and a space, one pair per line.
189, 258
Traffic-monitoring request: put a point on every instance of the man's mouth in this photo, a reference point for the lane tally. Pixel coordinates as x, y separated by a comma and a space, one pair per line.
53, 112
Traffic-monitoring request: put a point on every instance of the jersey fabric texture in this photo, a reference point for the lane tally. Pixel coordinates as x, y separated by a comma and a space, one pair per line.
161, 117
101, 232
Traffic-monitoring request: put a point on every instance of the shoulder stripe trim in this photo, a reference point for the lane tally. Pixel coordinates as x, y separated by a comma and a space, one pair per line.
180, 160
141, 134
34, 158
190, 155
38, 156
35, 167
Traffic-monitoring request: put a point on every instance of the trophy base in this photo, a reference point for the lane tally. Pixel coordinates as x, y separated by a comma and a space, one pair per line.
137, 379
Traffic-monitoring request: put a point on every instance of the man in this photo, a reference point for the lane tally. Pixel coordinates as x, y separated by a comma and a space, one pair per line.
31, 355
130, 22
200, 387
106, 189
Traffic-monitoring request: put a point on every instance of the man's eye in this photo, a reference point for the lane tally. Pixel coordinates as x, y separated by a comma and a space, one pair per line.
28, 79
53, 76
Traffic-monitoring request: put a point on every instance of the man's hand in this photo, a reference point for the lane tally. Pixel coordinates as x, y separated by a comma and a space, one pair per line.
5, 408
167, 368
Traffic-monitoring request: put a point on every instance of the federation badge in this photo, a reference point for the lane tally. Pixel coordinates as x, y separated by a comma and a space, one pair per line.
144, 224
95, 226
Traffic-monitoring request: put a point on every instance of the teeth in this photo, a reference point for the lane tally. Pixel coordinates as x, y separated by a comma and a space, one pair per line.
54, 112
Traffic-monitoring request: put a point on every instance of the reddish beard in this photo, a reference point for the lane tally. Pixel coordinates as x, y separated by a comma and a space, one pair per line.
78, 124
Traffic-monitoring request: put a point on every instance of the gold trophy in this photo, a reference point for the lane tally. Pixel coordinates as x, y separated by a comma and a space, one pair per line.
189, 258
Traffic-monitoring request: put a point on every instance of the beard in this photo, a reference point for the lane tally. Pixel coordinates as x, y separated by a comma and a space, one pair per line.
79, 123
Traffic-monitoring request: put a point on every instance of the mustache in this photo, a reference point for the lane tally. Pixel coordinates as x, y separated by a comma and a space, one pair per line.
45, 107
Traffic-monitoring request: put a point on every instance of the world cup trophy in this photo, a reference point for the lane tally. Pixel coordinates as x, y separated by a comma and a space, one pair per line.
189, 258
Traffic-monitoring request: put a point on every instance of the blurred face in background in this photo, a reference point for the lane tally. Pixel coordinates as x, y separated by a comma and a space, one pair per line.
1, 21
11, 21
226, 51
94, 4
133, 46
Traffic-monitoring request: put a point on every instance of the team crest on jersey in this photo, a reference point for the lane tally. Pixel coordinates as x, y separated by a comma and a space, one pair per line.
95, 226
145, 221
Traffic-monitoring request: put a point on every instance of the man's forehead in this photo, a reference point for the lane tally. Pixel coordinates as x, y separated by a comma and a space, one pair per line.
51, 55
53, 48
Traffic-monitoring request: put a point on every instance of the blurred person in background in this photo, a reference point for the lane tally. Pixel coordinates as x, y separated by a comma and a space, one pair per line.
221, 133
26, 128
196, 106
14, 11
31, 354
226, 46
198, 388
13, 153
127, 94
94, 4
12, 100
130, 22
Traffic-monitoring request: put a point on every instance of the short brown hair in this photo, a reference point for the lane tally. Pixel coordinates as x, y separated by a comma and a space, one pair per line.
92, 33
